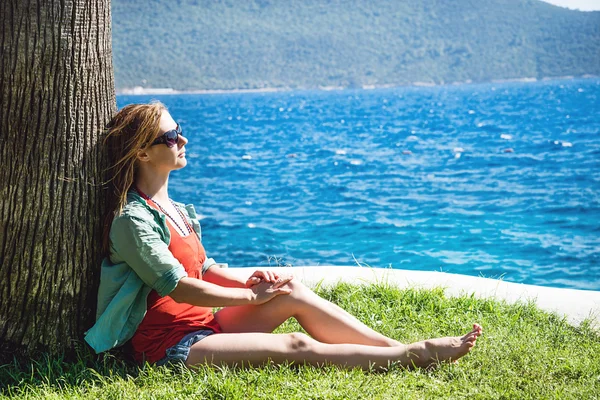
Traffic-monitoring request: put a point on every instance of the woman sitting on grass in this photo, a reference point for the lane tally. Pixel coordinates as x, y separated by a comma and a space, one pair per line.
157, 287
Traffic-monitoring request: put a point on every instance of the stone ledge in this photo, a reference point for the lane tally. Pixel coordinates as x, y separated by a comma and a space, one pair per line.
576, 305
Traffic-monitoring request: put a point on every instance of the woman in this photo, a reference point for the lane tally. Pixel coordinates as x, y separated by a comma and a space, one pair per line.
158, 288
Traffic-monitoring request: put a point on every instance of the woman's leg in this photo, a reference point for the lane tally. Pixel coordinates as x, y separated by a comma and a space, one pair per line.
323, 320
243, 349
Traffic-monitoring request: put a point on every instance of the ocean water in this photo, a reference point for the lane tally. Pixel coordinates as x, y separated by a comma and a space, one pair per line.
495, 180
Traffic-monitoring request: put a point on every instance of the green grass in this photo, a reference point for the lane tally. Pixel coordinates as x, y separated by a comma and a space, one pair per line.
525, 353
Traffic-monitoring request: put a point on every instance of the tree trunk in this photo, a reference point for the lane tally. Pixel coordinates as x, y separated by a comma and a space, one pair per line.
57, 93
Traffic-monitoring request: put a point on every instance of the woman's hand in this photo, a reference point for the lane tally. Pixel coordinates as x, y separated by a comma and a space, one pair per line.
266, 276
265, 291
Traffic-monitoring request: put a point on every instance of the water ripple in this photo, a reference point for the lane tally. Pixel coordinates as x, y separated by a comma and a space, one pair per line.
495, 180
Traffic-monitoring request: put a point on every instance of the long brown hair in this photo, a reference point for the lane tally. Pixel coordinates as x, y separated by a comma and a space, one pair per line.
130, 130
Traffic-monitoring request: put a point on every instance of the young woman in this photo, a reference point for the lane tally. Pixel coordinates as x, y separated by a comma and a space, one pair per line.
158, 288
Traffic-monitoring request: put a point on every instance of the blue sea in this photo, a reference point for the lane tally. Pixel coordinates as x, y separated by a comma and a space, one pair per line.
497, 180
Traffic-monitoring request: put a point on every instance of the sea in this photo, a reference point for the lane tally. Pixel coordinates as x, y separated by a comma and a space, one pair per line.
499, 180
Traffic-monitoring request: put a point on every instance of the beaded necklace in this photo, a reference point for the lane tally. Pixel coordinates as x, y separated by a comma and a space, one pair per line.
189, 229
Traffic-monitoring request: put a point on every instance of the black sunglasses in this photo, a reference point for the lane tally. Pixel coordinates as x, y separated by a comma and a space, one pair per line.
170, 138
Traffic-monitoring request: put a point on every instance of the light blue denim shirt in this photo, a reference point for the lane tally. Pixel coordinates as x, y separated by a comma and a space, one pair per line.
140, 260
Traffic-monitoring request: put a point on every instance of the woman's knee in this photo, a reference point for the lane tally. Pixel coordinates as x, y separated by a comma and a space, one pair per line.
297, 300
299, 342
299, 290
295, 284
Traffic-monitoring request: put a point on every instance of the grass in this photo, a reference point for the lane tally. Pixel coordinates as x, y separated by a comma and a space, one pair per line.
525, 353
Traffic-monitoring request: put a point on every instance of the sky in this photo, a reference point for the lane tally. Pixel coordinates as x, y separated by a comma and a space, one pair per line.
583, 5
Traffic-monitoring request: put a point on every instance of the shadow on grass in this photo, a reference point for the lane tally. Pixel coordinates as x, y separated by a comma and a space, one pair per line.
56, 371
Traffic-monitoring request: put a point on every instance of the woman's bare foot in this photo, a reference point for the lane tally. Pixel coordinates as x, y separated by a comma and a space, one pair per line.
434, 351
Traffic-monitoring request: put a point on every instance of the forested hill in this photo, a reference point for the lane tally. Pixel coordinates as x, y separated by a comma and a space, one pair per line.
207, 44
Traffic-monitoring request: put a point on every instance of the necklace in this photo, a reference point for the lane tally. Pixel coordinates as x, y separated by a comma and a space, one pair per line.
189, 229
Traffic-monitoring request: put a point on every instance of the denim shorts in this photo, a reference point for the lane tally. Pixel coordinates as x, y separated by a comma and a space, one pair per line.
181, 351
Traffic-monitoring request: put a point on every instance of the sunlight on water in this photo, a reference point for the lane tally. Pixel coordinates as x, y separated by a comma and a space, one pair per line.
495, 180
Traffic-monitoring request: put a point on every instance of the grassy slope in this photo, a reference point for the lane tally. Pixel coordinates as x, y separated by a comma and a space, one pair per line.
201, 44
525, 353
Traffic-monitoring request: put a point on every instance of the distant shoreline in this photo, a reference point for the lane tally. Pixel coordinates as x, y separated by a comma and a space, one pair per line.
142, 91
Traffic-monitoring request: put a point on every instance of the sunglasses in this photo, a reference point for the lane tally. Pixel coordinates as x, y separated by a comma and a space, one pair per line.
170, 138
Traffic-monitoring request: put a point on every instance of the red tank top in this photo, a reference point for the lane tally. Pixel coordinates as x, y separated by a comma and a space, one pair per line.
166, 322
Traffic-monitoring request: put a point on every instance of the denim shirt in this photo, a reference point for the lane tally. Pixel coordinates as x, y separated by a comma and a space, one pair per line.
140, 260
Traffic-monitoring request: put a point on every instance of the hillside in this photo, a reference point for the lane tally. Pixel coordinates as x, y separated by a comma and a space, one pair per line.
203, 44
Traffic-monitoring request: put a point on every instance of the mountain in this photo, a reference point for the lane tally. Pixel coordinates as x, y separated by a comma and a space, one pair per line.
238, 44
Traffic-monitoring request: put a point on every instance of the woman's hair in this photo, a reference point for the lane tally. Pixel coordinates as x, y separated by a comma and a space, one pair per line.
129, 131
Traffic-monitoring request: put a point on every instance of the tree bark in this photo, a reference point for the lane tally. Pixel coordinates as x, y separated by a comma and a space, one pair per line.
57, 93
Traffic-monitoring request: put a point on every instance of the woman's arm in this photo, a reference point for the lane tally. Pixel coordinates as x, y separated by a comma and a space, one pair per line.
201, 293
139, 245
224, 277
